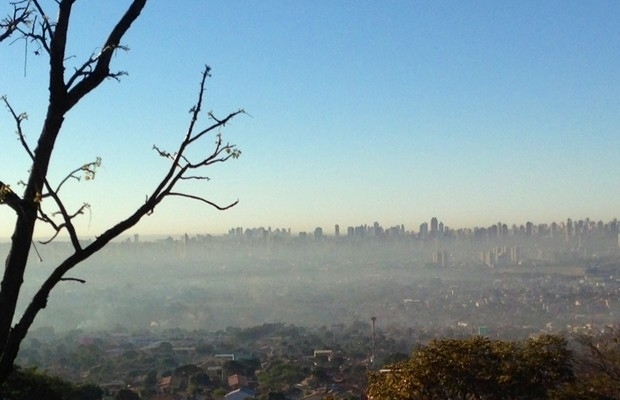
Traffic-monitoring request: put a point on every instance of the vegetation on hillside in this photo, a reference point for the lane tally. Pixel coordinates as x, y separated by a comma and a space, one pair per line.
282, 360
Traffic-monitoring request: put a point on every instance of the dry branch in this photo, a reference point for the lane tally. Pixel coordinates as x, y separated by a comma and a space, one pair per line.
12, 23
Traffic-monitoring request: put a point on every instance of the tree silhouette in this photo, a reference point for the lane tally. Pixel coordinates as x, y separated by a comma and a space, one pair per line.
29, 21
19, 17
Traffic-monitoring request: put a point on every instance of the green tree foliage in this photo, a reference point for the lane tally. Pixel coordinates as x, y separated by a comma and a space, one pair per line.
28, 384
198, 382
126, 394
394, 358
245, 367
476, 369
149, 384
320, 375
281, 375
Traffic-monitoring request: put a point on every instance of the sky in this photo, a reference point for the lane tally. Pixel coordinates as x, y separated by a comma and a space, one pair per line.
474, 112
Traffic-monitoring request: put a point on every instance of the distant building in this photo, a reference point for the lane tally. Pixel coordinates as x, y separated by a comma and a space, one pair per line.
515, 254
423, 230
569, 229
488, 258
350, 231
164, 384
225, 356
237, 381
440, 258
328, 354
377, 230
434, 225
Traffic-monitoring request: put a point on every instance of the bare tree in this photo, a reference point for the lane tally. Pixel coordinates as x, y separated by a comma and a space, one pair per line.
30, 22
19, 17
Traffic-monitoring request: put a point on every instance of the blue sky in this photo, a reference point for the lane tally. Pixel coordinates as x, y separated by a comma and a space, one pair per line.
359, 111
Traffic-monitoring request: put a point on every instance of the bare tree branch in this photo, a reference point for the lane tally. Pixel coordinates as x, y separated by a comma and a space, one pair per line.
57, 48
218, 124
163, 153
199, 178
73, 279
40, 29
46, 26
202, 199
18, 123
195, 110
101, 69
180, 165
67, 218
89, 170
20, 16
8, 197
87, 68
53, 37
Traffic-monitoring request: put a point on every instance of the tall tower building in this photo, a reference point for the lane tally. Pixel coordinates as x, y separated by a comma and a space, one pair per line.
529, 228
515, 254
434, 225
337, 230
423, 230
569, 229
350, 231
440, 258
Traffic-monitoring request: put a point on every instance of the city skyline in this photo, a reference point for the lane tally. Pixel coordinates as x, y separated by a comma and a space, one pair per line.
435, 225
567, 228
477, 113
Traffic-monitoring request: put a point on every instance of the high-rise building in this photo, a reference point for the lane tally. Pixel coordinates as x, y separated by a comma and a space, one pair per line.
529, 228
569, 229
377, 229
440, 258
515, 254
423, 230
337, 230
434, 225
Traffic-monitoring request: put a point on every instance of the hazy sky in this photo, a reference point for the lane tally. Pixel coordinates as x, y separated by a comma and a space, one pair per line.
360, 111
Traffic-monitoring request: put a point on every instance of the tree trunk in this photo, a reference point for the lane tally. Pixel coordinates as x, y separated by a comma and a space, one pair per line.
21, 240
62, 98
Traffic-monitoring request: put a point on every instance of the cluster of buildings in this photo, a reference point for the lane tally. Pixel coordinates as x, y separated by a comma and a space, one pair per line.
436, 229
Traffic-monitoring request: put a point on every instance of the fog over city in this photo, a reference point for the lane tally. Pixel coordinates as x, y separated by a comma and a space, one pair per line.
503, 280
309, 200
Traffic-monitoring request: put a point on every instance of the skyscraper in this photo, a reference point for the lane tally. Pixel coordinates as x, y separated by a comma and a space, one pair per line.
434, 225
